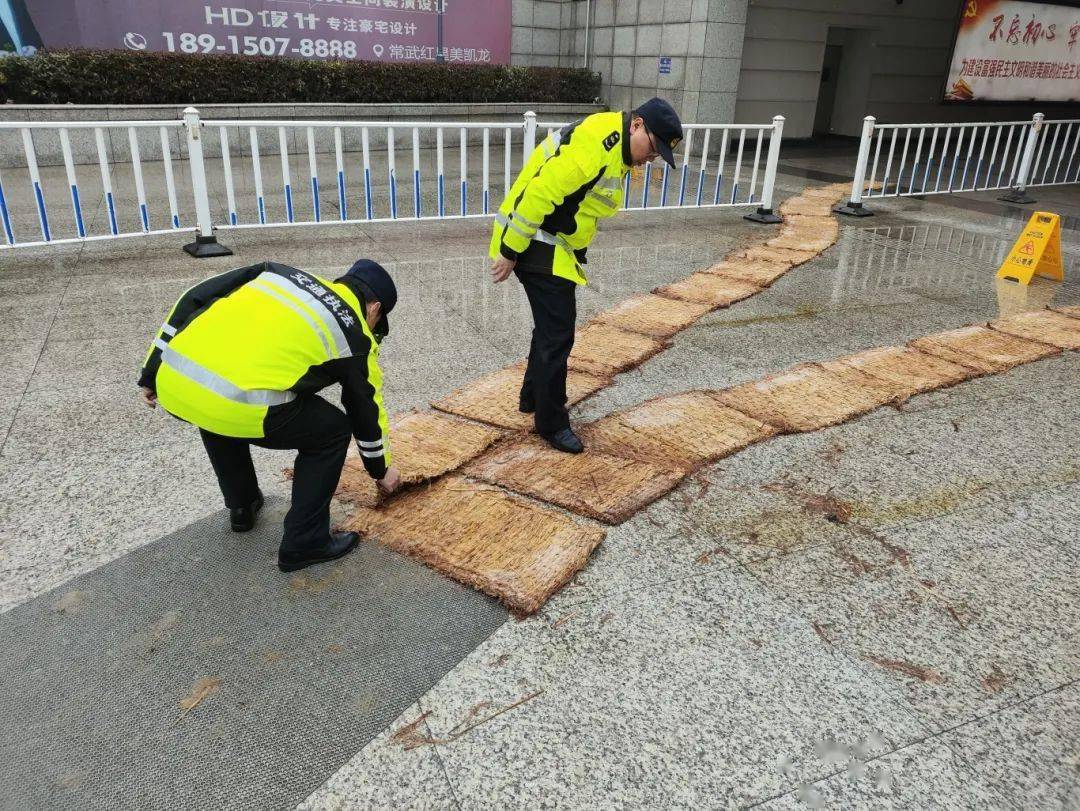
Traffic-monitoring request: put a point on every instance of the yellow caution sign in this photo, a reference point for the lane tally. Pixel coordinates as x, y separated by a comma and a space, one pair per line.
1037, 251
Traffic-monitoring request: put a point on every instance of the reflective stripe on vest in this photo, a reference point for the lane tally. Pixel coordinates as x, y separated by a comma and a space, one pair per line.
200, 375
300, 311
607, 201
322, 312
556, 139
539, 236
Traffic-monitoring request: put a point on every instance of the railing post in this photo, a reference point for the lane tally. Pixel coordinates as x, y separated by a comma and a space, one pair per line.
205, 244
854, 207
765, 214
1019, 190
530, 136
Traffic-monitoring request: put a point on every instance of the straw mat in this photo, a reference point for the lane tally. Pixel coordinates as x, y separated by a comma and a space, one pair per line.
813, 206
709, 288
605, 350
484, 537
982, 349
494, 398
423, 445
805, 397
653, 315
775, 256
596, 485
759, 272
1056, 329
685, 430
901, 372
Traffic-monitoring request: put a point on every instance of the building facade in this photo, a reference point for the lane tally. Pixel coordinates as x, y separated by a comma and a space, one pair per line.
823, 64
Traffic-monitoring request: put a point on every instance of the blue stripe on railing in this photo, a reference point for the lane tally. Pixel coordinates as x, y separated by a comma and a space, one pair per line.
288, 201
682, 185
626, 190
6, 216
417, 201
343, 204
393, 195
144, 215
175, 220
78, 210
716, 193
700, 185
663, 187
734, 192
112, 213
367, 192
232, 217
963, 177
486, 201
262, 211
43, 215
315, 199
464, 198
645, 192
442, 201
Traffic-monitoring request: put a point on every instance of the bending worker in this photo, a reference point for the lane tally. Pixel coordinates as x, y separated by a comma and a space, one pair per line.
544, 227
242, 356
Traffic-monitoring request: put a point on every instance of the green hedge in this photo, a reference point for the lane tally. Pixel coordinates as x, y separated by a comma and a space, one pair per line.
132, 77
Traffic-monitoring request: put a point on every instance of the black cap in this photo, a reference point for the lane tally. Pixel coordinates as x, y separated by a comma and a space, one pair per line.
662, 121
375, 284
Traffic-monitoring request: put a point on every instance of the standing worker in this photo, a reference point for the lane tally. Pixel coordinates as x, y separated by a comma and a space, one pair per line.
242, 356
544, 227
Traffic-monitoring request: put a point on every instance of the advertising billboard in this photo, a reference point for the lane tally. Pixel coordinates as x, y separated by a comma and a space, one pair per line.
453, 31
1015, 51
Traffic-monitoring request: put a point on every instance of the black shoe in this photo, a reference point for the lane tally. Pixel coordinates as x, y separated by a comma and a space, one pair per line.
339, 545
243, 518
526, 405
565, 440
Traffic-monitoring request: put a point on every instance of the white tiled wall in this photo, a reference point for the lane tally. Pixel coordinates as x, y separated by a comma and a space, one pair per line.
628, 37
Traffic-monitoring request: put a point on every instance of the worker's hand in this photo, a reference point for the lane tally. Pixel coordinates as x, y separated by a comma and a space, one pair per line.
148, 396
501, 270
391, 481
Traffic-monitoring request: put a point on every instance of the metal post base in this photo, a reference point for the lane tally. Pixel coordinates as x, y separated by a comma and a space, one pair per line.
205, 247
765, 216
853, 210
1017, 196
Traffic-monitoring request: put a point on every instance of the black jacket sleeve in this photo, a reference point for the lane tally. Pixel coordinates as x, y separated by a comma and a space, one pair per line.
194, 301
362, 400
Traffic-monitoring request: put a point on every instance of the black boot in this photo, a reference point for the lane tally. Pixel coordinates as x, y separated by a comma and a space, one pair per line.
338, 545
526, 403
243, 518
565, 440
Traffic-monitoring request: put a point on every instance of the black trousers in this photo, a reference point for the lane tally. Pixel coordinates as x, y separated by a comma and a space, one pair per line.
320, 433
554, 310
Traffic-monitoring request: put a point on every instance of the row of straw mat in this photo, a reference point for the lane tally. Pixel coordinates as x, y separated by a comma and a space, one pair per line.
634, 330
473, 529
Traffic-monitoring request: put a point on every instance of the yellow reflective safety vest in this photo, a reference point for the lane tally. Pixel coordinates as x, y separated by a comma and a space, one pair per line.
257, 338
574, 178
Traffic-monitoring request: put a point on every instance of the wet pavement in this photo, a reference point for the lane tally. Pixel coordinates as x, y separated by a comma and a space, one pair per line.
729, 645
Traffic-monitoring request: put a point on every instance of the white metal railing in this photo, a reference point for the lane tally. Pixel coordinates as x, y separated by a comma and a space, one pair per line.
250, 174
134, 137
924, 159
